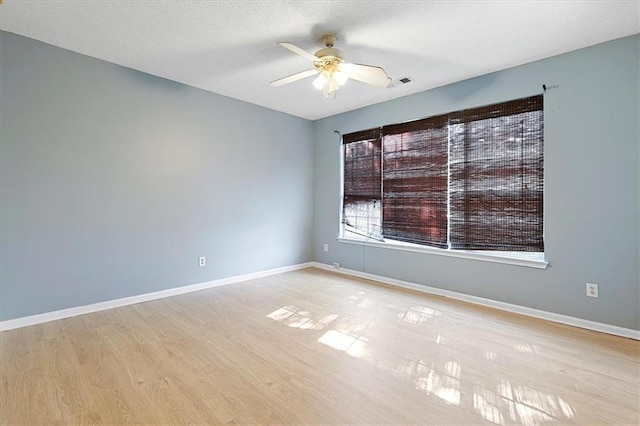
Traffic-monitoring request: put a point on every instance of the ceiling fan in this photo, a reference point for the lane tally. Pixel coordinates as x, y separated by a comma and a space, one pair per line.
332, 71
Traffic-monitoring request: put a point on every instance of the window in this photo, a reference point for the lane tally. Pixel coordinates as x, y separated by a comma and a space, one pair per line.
467, 180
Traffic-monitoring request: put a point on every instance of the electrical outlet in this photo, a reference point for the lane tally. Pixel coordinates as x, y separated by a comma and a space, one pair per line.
326, 247
202, 261
337, 265
592, 290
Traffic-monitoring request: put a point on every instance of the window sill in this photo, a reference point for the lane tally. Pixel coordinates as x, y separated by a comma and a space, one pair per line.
485, 257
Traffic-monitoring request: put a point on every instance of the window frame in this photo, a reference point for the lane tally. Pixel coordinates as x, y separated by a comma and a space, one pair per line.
527, 259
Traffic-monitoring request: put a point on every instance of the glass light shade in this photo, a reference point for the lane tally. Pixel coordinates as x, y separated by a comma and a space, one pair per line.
341, 78
333, 85
319, 82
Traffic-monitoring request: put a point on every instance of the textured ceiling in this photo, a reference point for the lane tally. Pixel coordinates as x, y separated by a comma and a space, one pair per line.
229, 47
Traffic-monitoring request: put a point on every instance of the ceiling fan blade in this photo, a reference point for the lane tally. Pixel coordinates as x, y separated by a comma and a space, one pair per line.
294, 77
298, 50
369, 74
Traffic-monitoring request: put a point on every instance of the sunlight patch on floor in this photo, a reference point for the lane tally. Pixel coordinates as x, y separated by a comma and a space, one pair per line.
418, 314
297, 318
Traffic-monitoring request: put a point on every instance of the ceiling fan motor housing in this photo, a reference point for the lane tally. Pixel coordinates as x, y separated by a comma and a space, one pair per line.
329, 54
330, 51
328, 59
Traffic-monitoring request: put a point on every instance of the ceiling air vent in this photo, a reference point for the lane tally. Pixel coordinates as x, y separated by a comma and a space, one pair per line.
400, 81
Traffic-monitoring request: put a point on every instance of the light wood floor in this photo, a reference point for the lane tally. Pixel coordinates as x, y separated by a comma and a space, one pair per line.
314, 347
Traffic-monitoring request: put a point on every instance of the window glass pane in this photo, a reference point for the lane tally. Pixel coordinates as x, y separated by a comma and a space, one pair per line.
497, 183
415, 186
362, 183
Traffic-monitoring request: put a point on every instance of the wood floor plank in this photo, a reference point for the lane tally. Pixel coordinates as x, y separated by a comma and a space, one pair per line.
314, 347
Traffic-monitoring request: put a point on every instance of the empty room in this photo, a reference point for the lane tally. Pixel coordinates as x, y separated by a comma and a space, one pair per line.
319, 212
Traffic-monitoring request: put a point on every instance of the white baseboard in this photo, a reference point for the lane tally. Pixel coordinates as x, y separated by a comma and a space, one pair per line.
110, 304
523, 310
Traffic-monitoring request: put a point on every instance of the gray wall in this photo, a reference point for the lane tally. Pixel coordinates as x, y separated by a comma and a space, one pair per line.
591, 186
114, 182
